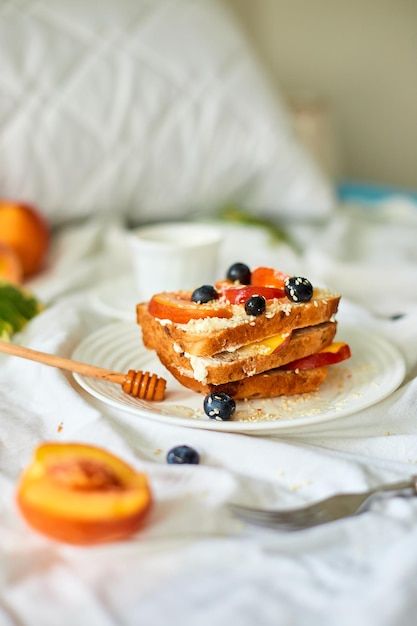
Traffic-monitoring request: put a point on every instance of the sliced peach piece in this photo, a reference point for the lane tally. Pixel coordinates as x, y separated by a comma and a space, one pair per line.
334, 353
179, 308
268, 277
82, 494
238, 294
269, 345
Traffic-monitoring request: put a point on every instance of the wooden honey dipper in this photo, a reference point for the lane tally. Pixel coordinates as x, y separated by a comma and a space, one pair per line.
138, 384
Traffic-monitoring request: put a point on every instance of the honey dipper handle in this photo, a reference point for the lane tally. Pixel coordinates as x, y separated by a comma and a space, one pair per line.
62, 362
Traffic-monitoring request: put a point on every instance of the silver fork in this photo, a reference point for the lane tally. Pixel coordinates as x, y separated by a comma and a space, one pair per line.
324, 511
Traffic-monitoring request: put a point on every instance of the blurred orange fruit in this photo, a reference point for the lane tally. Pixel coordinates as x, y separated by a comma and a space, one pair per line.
27, 232
10, 264
82, 494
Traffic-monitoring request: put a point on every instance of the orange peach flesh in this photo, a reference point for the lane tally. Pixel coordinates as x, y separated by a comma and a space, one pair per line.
81, 532
82, 494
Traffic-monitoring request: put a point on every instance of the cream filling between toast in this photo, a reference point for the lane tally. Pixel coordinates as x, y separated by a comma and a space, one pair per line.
200, 364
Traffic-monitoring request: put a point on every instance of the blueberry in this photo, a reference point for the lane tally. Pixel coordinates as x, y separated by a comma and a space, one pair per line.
298, 289
219, 406
239, 272
183, 454
204, 294
255, 305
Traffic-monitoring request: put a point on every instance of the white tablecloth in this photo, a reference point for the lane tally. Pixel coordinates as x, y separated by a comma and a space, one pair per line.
193, 563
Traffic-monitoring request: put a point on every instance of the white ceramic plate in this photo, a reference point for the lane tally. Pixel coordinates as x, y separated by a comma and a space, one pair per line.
374, 371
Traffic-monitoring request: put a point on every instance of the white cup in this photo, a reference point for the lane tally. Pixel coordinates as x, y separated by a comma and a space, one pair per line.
171, 256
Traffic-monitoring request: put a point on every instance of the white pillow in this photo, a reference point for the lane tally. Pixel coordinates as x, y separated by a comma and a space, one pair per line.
155, 109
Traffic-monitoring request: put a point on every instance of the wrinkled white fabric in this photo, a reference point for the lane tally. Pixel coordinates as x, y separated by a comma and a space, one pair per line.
194, 563
146, 108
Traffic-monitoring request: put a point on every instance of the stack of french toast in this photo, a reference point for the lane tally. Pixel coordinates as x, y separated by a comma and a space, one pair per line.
258, 333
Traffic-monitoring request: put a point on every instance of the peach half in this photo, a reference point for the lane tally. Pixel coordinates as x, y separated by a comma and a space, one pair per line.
82, 494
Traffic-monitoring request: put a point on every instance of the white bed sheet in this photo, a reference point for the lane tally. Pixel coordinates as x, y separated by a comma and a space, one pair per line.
193, 563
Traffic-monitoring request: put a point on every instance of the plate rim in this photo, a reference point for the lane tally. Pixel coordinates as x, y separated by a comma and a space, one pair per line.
241, 426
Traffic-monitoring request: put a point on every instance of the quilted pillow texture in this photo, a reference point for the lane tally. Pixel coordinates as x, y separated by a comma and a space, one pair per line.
155, 109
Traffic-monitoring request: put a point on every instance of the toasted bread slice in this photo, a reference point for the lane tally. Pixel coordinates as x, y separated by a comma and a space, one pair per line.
210, 335
246, 361
271, 384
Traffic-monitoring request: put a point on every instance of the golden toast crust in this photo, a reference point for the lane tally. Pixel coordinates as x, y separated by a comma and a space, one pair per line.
228, 366
207, 336
206, 355
267, 385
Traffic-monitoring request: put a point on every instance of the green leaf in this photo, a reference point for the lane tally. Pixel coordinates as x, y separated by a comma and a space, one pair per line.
17, 307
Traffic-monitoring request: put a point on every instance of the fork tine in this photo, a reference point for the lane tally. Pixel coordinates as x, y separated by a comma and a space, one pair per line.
281, 520
327, 510
321, 512
292, 518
